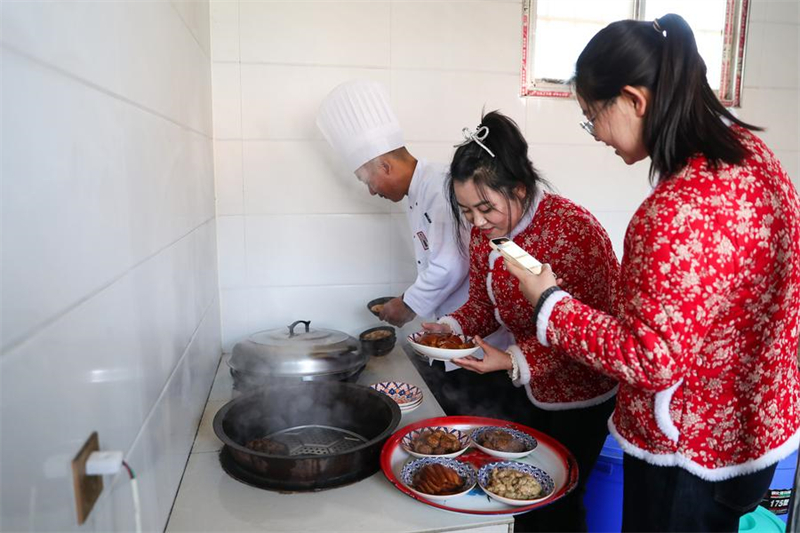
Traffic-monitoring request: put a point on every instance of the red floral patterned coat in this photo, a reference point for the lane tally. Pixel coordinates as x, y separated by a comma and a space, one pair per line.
578, 248
705, 342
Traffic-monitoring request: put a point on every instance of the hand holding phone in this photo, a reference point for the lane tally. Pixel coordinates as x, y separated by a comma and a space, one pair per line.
509, 249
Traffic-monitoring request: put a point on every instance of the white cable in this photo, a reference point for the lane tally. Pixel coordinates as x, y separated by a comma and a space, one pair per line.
136, 506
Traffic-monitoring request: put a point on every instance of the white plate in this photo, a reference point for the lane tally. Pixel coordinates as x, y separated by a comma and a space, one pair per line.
540, 475
462, 437
412, 405
440, 354
529, 441
465, 470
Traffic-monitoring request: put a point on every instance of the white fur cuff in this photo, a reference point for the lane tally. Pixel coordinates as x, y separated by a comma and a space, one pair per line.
522, 363
453, 323
544, 315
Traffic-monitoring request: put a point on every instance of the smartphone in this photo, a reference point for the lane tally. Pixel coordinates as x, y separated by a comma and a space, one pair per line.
512, 252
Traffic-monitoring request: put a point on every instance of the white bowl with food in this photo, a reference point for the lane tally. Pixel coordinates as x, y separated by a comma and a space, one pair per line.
442, 346
436, 441
515, 483
503, 443
438, 478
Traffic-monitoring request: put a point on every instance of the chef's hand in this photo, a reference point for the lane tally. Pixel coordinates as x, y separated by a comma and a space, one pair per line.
533, 285
434, 327
493, 360
397, 313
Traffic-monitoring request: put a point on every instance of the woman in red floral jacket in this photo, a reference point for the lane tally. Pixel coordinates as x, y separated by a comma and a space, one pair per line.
704, 338
494, 186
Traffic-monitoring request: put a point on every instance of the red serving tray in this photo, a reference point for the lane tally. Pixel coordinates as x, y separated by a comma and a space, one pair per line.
550, 455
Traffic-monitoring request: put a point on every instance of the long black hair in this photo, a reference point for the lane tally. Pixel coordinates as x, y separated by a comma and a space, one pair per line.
684, 116
509, 169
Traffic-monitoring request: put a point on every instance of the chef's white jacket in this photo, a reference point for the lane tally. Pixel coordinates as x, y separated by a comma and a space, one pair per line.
442, 283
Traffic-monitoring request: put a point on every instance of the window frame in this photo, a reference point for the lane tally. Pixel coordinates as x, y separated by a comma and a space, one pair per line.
733, 53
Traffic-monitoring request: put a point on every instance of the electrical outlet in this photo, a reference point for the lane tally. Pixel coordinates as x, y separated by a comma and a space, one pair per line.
87, 488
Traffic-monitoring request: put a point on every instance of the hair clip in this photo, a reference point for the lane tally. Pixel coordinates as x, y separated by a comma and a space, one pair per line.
657, 27
475, 136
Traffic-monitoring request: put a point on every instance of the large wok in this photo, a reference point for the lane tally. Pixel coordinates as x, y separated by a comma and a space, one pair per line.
333, 432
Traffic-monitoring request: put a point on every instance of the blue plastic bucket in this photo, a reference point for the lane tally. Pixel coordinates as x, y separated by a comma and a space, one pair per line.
603, 499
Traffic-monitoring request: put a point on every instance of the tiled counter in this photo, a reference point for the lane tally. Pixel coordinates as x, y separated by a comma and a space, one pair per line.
211, 500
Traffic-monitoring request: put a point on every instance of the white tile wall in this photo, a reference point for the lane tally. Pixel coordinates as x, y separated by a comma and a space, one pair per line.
224, 20
317, 250
446, 62
227, 104
228, 177
278, 176
110, 282
444, 35
303, 33
436, 105
770, 48
132, 60
280, 102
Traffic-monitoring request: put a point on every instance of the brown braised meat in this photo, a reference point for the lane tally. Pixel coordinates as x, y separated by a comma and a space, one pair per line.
269, 446
438, 480
444, 340
436, 442
502, 441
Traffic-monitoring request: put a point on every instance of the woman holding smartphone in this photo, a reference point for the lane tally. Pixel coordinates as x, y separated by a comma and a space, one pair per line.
704, 339
494, 187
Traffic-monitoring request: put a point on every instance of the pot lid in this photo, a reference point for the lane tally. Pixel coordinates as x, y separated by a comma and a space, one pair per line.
295, 338
297, 351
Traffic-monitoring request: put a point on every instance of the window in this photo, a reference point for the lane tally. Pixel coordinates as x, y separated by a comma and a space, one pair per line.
554, 33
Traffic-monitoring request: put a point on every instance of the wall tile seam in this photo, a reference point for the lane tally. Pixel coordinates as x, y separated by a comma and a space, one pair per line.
207, 54
103, 90
372, 67
49, 322
310, 213
768, 88
315, 214
122, 474
241, 288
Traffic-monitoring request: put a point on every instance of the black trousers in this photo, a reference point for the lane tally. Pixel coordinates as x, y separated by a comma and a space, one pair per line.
583, 432
667, 499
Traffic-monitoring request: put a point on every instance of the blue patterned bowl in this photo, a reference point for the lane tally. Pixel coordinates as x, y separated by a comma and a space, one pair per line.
464, 470
404, 394
529, 441
462, 437
544, 479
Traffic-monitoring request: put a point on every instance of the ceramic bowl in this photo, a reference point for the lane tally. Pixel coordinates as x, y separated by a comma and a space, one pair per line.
462, 437
464, 470
528, 440
544, 479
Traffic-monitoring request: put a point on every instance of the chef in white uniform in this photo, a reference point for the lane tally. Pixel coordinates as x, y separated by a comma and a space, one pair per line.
358, 122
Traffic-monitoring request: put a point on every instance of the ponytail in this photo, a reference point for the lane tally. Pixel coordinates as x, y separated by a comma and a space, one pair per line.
684, 116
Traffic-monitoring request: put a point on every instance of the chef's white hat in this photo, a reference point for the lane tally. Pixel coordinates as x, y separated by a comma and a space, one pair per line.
358, 122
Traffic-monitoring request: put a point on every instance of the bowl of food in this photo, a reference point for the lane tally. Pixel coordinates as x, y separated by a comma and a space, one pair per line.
376, 306
435, 441
442, 346
406, 395
378, 341
515, 483
505, 443
438, 478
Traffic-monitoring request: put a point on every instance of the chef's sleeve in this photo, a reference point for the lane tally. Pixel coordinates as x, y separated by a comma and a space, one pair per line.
447, 265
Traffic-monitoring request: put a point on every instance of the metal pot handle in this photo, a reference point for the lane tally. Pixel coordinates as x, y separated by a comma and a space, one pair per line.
293, 324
